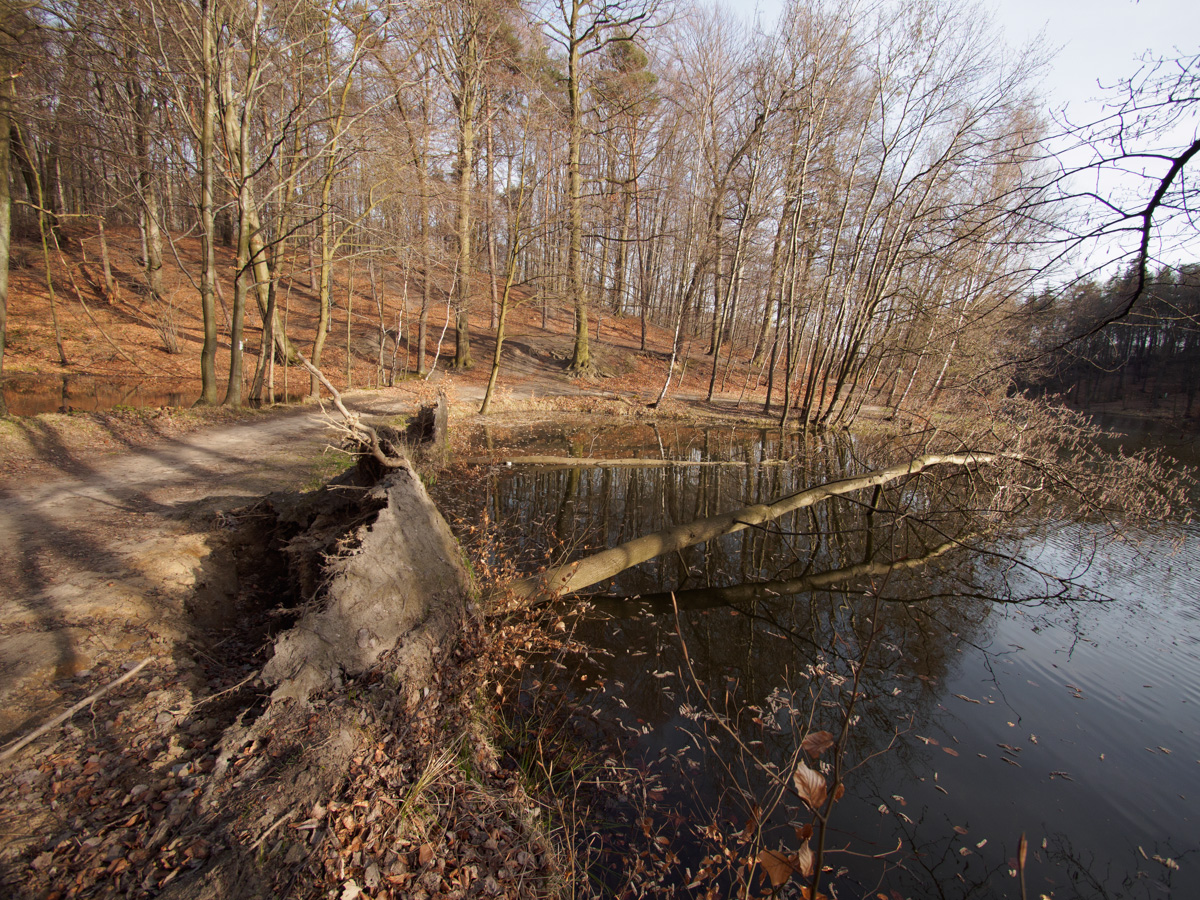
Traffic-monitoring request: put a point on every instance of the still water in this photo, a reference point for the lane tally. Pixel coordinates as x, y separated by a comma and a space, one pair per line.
1045, 681
31, 395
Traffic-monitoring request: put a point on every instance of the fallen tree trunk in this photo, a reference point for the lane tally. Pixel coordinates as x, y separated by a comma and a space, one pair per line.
575, 462
608, 563
710, 598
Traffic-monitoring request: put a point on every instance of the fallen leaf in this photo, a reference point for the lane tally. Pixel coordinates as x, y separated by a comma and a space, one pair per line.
950, 750
960, 829
425, 854
966, 698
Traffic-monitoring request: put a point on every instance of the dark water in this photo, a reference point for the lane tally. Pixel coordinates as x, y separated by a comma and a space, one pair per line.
1045, 682
30, 395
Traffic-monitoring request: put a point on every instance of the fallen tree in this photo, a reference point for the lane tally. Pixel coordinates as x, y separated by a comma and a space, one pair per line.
592, 570
601, 462
712, 597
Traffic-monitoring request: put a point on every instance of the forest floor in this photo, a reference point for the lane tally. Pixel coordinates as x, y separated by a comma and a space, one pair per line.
115, 549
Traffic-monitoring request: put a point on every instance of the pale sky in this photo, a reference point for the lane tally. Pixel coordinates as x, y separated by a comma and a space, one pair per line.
1094, 43
1100, 40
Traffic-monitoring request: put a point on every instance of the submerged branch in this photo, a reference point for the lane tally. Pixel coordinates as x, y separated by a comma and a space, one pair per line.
601, 566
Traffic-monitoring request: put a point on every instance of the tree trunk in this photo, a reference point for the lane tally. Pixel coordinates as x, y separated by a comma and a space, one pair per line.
466, 168
6, 86
208, 274
609, 563
581, 359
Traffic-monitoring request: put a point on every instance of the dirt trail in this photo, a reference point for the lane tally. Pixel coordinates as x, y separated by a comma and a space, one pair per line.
108, 560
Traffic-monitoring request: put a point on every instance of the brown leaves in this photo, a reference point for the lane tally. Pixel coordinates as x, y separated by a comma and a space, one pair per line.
810, 785
816, 743
779, 866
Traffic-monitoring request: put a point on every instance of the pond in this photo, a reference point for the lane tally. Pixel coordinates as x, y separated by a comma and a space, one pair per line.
31, 395
1045, 681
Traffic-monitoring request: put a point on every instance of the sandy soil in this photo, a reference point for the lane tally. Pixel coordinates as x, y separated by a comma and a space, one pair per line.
104, 557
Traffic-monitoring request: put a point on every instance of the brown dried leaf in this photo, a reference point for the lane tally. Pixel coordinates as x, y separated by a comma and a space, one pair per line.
778, 866
425, 854
751, 825
810, 785
816, 743
950, 750
804, 860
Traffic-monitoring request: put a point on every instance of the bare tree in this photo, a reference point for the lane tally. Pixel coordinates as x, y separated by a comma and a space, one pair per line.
582, 29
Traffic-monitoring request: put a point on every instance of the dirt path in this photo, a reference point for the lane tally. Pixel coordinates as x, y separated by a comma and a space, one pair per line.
113, 558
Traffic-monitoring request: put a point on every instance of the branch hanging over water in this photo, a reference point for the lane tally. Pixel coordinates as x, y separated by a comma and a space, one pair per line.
709, 598
601, 462
608, 563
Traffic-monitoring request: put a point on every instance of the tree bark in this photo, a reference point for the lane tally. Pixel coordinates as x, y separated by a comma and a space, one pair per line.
208, 274
6, 87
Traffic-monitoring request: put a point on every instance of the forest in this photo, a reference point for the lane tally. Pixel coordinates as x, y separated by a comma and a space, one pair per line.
860, 197
802, 626
1147, 360
846, 196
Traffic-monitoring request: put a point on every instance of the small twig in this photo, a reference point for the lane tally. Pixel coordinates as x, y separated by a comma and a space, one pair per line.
228, 690
1022, 849
86, 701
266, 834
364, 434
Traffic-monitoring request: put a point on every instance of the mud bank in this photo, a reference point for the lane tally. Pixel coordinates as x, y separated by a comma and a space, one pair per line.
358, 588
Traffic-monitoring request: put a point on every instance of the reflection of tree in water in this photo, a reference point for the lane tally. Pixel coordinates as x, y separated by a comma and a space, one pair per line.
773, 646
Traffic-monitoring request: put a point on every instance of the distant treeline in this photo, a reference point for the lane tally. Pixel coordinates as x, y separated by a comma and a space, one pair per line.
1148, 359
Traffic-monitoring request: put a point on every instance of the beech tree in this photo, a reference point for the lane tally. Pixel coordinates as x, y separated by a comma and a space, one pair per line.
581, 29
849, 197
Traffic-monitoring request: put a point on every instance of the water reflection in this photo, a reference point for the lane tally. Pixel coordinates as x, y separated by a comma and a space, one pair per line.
31, 395
992, 694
